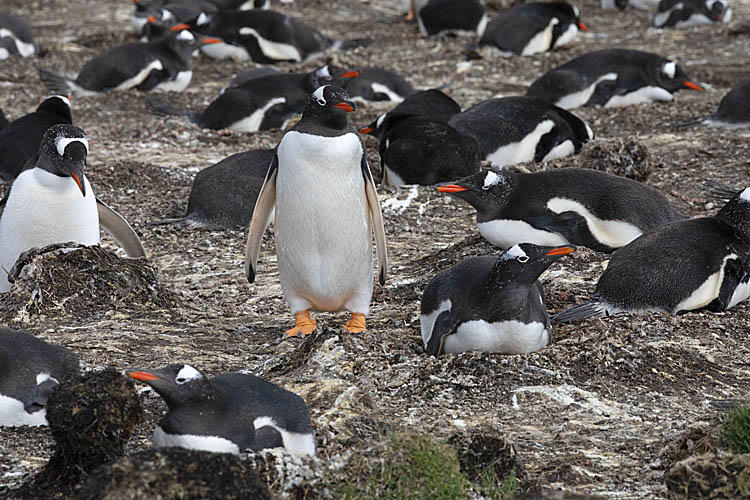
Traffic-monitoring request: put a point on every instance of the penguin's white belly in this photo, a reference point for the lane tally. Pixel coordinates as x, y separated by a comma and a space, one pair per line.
215, 444
136, 80
524, 150
504, 233
24, 49
323, 240
178, 84
565, 148
580, 98
568, 36
296, 442
707, 292
253, 122
507, 337
391, 178
542, 41
224, 50
613, 233
741, 293
13, 414
640, 96
427, 321
379, 88
273, 50
43, 209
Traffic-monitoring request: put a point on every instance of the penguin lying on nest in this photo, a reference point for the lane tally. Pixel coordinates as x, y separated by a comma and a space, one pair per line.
688, 265
733, 110
16, 38
687, 13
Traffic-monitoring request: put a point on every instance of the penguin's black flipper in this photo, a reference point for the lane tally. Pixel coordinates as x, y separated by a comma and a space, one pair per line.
267, 437
445, 324
591, 309
734, 274
55, 83
718, 190
162, 109
351, 44
572, 226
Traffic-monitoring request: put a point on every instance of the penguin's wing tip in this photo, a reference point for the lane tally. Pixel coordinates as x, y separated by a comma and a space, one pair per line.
120, 230
591, 309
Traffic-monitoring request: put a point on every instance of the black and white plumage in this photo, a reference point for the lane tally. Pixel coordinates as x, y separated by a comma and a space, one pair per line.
20, 140
51, 201
511, 130
490, 303
161, 64
168, 12
610, 78
227, 413
325, 258
421, 150
29, 369
734, 109
432, 103
562, 206
263, 36
701, 263
455, 17
16, 38
531, 28
261, 103
687, 13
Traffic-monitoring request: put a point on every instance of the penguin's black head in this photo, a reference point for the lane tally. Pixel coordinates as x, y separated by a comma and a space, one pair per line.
488, 191
569, 14
178, 384
375, 128
202, 23
737, 213
716, 10
331, 75
184, 42
57, 104
63, 152
525, 262
671, 76
329, 105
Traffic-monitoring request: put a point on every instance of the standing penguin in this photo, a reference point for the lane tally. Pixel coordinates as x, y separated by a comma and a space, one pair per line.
228, 413
51, 201
562, 206
20, 140
15, 37
687, 13
610, 78
531, 28
326, 210
29, 369
514, 129
489, 303
701, 263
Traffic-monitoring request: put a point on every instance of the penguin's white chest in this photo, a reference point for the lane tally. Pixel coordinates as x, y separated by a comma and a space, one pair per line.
323, 241
13, 414
43, 209
507, 337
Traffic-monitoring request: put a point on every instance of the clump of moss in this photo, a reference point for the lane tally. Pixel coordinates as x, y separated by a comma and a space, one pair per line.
737, 429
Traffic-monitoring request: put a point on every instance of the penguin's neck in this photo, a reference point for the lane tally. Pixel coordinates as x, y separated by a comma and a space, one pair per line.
325, 124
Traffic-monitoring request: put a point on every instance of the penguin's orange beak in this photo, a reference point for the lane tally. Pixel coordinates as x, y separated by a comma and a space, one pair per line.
582, 26
179, 27
451, 188
78, 181
211, 40
143, 376
561, 251
365, 130
151, 19
350, 74
693, 86
345, 106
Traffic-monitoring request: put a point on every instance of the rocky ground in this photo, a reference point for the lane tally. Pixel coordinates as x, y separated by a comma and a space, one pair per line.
597, 412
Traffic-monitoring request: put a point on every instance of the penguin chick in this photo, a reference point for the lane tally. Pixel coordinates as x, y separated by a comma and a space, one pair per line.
326, 209
611, 78
490, 303
701, 263
562, 206
227, 413
51, 201
29, 369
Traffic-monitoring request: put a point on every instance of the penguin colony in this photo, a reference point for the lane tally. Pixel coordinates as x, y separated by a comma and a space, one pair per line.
317, 190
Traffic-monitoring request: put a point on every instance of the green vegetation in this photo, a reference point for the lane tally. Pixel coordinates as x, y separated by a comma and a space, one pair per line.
491, 486
737, 429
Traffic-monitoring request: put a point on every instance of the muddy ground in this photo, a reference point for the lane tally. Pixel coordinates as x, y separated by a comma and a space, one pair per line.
592, 413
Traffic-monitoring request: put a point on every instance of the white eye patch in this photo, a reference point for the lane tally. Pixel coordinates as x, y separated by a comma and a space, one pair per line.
318, 95
43, 377
186, 374
745, 195
492, 179
324, 71
669, 69
62, 142
185, 35
514, 252
202, 19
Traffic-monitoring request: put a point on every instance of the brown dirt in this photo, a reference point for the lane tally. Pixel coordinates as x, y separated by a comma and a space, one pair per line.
590, 414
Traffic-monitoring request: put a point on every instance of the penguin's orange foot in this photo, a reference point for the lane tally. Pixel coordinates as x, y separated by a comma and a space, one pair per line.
356, 324
303, 325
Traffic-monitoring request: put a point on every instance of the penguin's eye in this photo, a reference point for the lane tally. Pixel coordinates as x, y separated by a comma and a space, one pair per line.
322, 102
180, 380
523, 259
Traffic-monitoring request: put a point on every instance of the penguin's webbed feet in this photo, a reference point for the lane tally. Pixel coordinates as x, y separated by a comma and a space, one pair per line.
356, 323
303, 325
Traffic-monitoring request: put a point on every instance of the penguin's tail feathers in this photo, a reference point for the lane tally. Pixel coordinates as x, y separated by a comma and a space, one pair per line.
351, 44
690, 124
163, 109
591, 309
56, 84
163, 222
718, 190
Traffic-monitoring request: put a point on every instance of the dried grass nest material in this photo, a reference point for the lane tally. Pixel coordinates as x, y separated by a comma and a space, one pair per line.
80, 282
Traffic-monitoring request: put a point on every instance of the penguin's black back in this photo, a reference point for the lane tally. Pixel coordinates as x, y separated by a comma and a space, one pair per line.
224, 194
513, 28
735, 106
451, 15
16, 26
20, 140
432, 103
118, 64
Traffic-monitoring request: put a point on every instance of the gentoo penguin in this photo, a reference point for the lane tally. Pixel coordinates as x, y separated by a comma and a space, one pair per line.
733, 112
227, 413
326, 209
455, 17
20, 140
531, 28
432, 102
562, 206
490, 303
611, 77
515, 129
223, 195
263, 36
167, 12
378, 84
422, 150
15, 38
51, 201
162, 64
686, 13
693, 264
29, 369
261, 103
